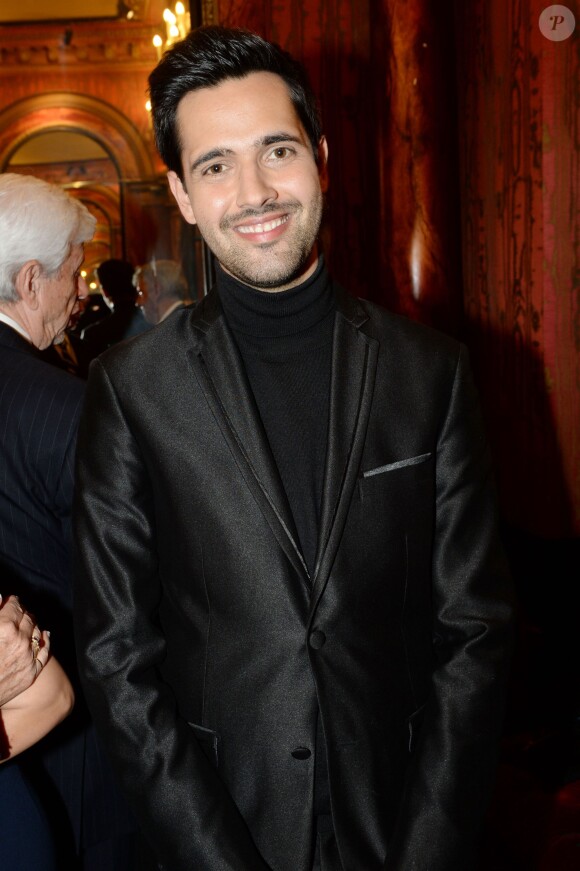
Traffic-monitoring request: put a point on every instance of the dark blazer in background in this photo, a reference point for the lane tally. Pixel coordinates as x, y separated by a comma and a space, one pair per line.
207, 649
39, 411
126, 321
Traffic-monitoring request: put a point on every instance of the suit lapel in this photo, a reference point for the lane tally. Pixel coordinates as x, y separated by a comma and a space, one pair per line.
220, 371
354, 360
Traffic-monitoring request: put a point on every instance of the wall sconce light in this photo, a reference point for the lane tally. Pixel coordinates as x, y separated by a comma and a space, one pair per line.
177, 26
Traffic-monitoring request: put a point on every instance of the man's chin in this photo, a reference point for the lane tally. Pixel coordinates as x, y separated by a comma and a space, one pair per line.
270, 280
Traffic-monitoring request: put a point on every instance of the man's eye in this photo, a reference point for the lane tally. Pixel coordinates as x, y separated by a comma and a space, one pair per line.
281, 152
214, 169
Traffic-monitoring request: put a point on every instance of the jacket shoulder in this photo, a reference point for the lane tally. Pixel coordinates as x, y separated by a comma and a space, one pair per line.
174, 333
398, 331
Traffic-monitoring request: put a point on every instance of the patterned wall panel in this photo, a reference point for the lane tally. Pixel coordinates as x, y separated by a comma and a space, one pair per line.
520, 156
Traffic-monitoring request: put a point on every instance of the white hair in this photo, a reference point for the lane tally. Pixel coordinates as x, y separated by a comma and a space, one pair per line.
38, 221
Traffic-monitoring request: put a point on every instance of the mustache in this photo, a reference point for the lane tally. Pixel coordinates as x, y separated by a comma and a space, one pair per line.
269, 209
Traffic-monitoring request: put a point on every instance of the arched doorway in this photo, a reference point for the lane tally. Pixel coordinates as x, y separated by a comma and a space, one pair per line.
87, 146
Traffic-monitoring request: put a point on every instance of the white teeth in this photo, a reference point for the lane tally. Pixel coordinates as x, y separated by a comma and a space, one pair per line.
263, 228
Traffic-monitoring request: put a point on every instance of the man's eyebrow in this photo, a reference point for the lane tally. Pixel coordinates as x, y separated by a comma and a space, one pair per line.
273, 138
269, 139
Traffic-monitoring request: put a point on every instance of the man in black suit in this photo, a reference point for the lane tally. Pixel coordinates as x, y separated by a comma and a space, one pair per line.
124, 320
293, 610
40, 285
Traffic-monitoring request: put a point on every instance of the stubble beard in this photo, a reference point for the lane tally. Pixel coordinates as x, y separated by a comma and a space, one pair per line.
282, 268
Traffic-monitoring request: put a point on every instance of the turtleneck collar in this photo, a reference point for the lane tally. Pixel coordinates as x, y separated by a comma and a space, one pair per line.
270, 315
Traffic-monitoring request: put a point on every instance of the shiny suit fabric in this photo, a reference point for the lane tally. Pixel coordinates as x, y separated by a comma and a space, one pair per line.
206, 648
39, 413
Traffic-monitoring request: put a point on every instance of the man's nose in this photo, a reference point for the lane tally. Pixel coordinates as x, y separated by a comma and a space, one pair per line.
255, 187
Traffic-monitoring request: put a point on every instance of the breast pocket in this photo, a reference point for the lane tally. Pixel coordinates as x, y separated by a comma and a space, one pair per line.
398, 464
392, 476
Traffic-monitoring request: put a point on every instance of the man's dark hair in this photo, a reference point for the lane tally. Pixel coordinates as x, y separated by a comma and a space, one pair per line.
210, 55
116, 279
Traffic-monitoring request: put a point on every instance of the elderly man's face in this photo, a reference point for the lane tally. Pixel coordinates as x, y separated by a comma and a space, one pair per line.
59, 297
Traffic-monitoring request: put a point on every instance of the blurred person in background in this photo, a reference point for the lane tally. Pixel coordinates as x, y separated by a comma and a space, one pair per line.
94, 310
162, 289
125, 319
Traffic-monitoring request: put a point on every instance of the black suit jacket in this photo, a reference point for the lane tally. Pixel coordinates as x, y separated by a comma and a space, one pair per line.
206, 648
39, 412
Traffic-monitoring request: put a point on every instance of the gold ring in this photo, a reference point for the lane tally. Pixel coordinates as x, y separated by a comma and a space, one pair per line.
35, 643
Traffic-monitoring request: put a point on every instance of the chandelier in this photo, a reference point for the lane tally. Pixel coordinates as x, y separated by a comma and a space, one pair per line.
177, 26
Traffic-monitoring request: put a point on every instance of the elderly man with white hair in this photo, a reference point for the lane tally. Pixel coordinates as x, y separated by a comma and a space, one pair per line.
42, 233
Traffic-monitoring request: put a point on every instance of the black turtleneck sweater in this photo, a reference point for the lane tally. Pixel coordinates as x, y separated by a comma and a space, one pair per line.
285, 340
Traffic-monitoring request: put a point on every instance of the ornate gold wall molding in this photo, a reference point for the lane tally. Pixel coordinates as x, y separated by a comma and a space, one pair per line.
76, 45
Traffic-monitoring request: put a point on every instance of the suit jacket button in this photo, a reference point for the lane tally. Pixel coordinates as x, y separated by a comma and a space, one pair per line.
301, 753
317, 639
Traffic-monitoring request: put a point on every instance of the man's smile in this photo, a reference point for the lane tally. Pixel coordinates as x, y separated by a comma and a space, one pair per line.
265, 227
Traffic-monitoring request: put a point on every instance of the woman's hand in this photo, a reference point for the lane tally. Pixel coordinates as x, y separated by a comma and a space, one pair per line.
24, 649
35, 693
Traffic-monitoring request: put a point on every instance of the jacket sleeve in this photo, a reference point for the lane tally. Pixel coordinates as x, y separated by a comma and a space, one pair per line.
452, 770
181, 804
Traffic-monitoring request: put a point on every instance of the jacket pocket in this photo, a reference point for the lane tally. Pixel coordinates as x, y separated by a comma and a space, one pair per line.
415, 722
400, 464
209, 742
393, 480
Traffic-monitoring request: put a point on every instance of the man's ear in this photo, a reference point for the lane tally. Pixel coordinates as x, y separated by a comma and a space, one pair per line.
323, 163
181, 196
28, 284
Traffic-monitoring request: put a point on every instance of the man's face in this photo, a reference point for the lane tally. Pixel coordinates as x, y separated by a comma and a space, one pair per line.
59, 297
252, 184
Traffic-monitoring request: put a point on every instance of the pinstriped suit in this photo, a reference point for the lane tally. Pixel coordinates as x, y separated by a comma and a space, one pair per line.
39, 410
